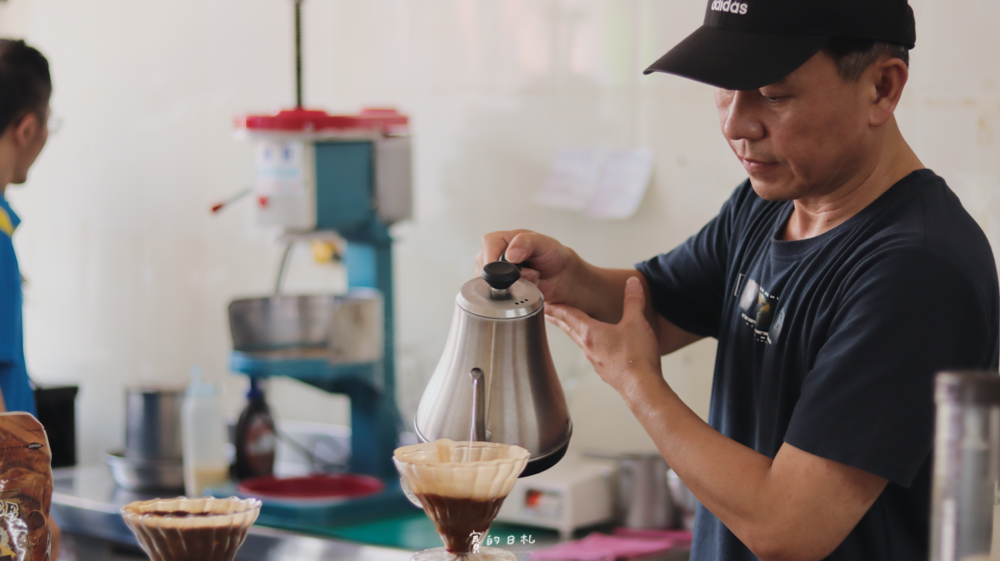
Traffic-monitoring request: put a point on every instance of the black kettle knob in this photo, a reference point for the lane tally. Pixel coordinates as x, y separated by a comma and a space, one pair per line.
501, 274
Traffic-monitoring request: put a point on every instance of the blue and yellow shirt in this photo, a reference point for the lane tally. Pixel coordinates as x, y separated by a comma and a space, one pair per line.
14, 382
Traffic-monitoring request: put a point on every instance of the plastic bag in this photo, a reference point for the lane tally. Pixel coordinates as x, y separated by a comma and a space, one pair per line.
25, 488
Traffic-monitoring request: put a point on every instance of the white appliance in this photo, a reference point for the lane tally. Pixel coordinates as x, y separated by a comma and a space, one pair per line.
575, 493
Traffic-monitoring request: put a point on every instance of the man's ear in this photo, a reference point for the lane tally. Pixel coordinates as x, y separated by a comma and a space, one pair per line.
26, 130
888, 77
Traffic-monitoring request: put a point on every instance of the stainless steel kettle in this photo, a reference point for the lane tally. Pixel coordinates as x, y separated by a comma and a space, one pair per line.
496, 375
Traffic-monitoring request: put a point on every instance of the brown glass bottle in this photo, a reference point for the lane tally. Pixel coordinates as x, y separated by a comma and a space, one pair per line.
256, 437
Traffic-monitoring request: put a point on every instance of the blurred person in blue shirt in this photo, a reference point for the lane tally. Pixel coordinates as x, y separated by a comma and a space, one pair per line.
25, 87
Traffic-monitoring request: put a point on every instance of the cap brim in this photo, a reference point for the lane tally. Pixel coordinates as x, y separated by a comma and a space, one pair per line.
738, 60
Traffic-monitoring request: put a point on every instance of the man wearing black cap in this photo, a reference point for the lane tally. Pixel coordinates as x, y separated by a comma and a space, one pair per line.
838, 279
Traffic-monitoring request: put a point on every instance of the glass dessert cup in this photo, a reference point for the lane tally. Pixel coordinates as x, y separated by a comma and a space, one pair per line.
182, 529
461, 488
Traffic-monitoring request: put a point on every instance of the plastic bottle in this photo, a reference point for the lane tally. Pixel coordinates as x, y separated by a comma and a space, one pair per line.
204, 434
256, 437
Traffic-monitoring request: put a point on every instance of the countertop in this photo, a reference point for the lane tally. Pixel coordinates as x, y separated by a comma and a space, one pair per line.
86, 503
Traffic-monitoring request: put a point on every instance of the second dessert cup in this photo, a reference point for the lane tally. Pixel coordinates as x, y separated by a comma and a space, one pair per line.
461, 486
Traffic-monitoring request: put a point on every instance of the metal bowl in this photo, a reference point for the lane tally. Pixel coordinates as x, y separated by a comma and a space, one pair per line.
281, 322
146, 475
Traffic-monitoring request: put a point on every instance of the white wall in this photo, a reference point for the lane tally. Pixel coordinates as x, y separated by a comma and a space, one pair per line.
129, 275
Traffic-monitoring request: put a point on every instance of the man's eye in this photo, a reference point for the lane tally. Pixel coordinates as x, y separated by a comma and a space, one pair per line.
773, 99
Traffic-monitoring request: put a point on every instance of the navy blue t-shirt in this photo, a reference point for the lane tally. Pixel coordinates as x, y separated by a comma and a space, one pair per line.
831, 343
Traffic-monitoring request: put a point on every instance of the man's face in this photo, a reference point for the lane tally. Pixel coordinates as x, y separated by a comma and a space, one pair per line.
805, 135
33, 140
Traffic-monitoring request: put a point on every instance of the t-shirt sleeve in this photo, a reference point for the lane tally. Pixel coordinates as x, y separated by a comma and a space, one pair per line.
867, 402
688, 285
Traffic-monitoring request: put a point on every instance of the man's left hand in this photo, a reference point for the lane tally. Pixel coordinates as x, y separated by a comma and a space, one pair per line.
621, 353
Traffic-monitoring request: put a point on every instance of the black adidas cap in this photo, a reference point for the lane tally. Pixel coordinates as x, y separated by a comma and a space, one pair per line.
748, 44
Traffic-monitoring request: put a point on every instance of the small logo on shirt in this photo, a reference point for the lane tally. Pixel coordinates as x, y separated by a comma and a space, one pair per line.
729, 6
757, 307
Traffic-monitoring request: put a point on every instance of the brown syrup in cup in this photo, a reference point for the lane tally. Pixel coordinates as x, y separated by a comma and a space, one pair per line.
177, 514
198, 543
457, 519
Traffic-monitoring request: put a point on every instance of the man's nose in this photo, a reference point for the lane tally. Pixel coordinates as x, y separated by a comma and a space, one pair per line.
741, 120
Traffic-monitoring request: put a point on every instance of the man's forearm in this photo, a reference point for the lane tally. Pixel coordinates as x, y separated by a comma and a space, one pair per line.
770, 507
725, 475
597, 292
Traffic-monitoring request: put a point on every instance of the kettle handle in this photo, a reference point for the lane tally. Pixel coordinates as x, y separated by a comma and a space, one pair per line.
503, 259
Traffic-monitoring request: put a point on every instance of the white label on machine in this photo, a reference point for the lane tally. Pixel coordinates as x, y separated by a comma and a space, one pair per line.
280, 168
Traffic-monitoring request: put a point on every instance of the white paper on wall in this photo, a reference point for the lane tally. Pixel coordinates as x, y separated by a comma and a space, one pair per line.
623, 184
573, 181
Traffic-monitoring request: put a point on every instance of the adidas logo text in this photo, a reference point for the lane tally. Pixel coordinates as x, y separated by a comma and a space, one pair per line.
729, 6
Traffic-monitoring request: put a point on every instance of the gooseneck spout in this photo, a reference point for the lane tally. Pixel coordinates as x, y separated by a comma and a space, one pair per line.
477, 428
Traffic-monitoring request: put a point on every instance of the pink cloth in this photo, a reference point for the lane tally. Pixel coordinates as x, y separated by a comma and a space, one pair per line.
681, 537
625, 544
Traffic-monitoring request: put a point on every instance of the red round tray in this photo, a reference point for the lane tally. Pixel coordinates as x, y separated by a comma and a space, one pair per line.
316, 488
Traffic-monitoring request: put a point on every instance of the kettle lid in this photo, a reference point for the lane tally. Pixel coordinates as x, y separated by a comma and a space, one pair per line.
500, 293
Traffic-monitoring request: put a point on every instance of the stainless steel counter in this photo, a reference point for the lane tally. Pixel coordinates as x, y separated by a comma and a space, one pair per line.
86, 504
86, 501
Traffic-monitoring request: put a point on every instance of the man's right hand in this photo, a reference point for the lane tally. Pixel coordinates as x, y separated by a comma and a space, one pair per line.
564, 278
544, 261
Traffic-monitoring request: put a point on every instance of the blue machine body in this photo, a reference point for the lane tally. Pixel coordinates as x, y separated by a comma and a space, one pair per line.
346, 203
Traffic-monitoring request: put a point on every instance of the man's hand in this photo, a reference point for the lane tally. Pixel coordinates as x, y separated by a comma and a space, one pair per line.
544, 261
619, 352
566, 279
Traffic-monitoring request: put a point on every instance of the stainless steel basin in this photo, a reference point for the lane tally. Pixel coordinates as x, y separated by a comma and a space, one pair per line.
345, 329
281, 322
